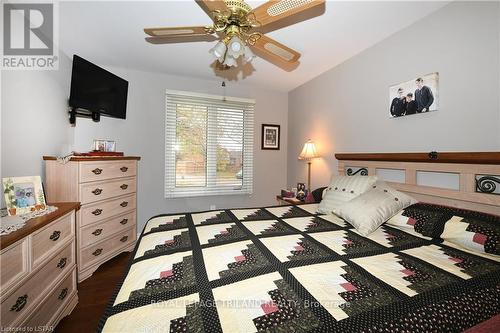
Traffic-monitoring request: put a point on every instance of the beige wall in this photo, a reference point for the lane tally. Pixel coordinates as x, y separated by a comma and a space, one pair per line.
346, 109
33, 117
34, 123
142, 133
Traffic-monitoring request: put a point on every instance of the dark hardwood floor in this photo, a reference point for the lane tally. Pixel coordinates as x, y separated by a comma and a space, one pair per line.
93, 296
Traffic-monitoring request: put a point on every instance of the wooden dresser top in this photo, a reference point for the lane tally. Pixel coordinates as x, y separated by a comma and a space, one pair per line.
95, 158
37, 223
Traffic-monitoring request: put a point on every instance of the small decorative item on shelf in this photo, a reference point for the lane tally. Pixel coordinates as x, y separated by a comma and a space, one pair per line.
309, 198
23, 195
301, 191
287, 194
104, 146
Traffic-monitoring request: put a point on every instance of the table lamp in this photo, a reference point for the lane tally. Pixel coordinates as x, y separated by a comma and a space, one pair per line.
307, 154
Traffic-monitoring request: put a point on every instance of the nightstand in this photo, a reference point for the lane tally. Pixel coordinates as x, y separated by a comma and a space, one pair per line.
288, 201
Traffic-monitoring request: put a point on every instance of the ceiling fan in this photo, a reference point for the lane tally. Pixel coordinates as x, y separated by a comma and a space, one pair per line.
240, 30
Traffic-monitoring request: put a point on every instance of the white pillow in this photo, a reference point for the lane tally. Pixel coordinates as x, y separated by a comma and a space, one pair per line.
371, 209
343, 189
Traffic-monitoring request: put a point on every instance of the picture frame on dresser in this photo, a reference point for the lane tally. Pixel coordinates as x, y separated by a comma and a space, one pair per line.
106, 188
23, 194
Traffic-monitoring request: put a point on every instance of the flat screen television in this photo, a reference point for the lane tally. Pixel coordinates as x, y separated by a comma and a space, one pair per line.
95, 91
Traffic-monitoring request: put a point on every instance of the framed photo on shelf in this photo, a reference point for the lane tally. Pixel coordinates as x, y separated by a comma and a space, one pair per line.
301, 191
104, 145
23, 194
270, 137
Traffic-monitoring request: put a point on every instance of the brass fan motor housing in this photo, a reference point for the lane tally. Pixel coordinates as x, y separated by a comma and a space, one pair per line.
238, 14
238, 6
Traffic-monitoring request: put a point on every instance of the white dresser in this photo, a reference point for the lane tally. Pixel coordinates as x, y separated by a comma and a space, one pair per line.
106, 189
38, 272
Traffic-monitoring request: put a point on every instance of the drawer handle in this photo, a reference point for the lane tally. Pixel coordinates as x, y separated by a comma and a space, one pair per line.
123, 239
124, 204
97, 212
20, 303
124, 221
62, 263
97, 191
97, 232
63, 294
124, 186
123, 169
55, 235
97, 252
97, 171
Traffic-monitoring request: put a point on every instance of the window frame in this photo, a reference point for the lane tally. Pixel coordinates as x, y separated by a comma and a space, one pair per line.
246, 187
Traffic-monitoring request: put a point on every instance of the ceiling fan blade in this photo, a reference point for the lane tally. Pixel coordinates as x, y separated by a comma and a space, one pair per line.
276, 53
281, 13
177, 31
209, 6
181, 39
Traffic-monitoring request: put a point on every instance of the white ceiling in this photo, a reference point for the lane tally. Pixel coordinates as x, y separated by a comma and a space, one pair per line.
110, 34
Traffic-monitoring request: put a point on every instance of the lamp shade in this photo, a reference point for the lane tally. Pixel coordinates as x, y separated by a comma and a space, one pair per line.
235, 47
218, 51
248, 55
308, 152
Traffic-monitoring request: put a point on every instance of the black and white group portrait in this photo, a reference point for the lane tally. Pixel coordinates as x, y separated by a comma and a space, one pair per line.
419, 95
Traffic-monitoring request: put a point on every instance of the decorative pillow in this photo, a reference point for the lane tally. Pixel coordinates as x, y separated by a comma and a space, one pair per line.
371, 209
425, 219
431, 221
318, 193
477, 234
342, 189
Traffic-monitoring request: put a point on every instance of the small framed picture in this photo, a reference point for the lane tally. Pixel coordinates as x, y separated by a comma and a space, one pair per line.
419, 95
270, 136
23, 194
301, 191
104, 145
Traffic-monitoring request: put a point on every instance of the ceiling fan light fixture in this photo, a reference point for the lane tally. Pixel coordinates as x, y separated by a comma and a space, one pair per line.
218, 50
248, 55
236, 47
230, 61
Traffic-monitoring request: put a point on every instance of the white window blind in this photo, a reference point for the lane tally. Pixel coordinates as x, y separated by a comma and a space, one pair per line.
208, 145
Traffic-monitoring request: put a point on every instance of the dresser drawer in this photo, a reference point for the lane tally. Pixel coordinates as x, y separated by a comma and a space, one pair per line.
19, 303
97, 191
105, 209
15, 264
51, 238
107, 247
54, 302
102, 170
95, 233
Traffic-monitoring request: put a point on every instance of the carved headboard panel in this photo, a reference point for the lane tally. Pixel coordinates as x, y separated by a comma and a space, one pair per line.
469, 180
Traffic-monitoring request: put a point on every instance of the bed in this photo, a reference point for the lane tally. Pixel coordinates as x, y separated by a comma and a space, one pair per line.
289, 269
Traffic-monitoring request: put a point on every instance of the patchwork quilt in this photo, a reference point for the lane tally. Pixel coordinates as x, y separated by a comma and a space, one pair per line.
287, 269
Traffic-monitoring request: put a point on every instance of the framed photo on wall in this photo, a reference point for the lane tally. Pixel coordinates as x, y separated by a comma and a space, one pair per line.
419, 95
270, 137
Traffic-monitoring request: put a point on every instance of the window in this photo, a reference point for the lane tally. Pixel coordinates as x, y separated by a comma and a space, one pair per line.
208, 145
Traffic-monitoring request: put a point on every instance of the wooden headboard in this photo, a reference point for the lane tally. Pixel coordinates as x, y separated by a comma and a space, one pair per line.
476, 174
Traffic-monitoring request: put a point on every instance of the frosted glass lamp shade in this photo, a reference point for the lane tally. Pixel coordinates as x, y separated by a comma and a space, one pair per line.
248, 54
230, 61
309, 151
218, 51
235, 47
